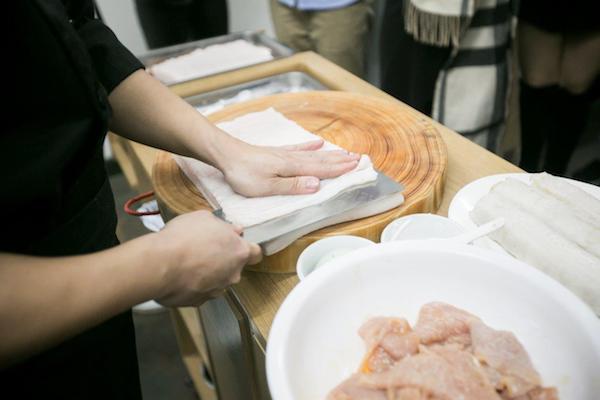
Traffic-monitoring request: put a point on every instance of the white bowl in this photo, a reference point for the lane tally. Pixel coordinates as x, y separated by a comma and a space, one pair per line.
324, 250
421, 226
313, 343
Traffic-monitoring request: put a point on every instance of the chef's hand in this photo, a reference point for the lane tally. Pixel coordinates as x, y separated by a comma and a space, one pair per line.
263, 171
204, 255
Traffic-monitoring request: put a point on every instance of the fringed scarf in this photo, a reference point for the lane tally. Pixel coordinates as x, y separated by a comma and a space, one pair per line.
438, 22
472, 88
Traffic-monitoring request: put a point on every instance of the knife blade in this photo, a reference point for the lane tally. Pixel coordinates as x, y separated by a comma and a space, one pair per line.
374, 198
211, 199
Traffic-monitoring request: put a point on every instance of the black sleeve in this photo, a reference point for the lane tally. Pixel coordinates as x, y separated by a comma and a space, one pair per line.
112, 61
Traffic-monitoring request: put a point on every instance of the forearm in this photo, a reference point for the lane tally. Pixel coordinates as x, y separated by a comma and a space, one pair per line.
44, 301
146, 111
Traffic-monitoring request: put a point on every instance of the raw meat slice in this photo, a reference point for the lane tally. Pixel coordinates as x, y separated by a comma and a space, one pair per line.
440, 322
388, 340
448, 374
450, 355
411, 393
502, 351
539, 393
352, 389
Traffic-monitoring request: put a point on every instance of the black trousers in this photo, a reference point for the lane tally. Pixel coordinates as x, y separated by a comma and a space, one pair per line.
409, 69
169, 22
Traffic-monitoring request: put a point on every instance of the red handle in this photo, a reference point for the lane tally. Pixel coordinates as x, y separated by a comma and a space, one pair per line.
127, 207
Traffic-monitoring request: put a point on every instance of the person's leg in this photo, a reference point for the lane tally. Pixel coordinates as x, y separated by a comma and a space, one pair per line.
580, 62
580, 66
539, 59
291, 26
409, 69
340, 34
208, 18
163, 24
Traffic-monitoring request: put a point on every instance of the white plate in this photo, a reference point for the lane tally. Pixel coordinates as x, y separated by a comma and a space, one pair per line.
314, 344
465, 199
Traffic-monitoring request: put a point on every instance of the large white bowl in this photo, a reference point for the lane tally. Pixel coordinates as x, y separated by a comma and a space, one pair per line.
313, 344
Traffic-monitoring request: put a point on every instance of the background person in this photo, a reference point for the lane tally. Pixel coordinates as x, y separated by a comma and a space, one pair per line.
559, 58
449, 60
66, 286
336, 29
170, 22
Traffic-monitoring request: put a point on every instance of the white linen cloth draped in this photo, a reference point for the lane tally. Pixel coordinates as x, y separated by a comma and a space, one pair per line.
269, 128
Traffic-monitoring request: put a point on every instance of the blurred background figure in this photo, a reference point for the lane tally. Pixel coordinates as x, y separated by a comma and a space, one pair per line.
449, 59
559, 56
169, 22
336, 29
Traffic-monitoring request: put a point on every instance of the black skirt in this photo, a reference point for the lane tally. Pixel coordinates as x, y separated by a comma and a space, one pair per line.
576, 16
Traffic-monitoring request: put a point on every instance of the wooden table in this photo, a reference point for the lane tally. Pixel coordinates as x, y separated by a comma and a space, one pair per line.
255, 300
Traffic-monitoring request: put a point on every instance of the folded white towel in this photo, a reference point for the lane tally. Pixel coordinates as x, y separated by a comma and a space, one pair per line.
269, 128
210, 60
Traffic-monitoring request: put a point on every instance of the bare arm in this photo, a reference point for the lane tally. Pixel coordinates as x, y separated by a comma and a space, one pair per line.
146, 111
44, 301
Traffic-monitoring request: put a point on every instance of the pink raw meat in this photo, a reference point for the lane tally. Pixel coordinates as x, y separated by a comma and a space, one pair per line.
449, 355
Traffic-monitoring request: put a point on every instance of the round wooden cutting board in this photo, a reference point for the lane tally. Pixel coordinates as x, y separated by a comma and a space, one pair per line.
401, 144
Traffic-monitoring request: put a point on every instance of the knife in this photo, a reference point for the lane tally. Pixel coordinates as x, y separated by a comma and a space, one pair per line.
358, 202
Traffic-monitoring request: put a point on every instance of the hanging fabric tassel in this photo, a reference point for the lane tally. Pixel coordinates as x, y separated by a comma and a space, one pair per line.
438, 23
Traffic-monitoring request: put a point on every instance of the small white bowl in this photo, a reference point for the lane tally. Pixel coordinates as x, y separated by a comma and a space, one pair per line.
421, 226
322, 251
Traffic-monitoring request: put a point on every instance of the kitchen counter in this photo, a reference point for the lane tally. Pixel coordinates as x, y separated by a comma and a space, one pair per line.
256, 299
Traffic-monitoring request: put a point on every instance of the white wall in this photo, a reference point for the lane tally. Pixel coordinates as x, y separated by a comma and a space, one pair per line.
251, 15
120, 15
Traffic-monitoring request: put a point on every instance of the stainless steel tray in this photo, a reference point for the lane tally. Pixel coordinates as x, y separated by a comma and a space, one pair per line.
282, 83
259, 38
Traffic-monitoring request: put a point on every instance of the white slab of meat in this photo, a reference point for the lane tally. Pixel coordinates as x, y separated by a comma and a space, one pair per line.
210, 60
569, 220
269, 128
534, 237
570, 194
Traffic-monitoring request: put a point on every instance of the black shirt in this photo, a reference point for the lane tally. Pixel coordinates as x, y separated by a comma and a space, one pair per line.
55, 197
51, 163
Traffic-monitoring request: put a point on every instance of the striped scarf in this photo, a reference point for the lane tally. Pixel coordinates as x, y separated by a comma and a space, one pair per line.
472, 88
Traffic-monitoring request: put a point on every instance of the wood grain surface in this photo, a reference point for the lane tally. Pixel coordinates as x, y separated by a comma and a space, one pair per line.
404, 145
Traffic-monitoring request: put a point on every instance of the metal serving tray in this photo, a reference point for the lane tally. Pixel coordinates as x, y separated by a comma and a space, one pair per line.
259, 38
288, 82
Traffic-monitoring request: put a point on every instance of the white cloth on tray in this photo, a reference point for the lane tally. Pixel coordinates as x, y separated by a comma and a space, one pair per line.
210, 60
269, 128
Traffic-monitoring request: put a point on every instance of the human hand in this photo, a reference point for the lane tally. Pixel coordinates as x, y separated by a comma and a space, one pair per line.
263, 171
204, 255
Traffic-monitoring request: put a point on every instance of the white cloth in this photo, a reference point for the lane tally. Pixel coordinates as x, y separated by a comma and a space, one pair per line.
269, 128
153, 222
210, 60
